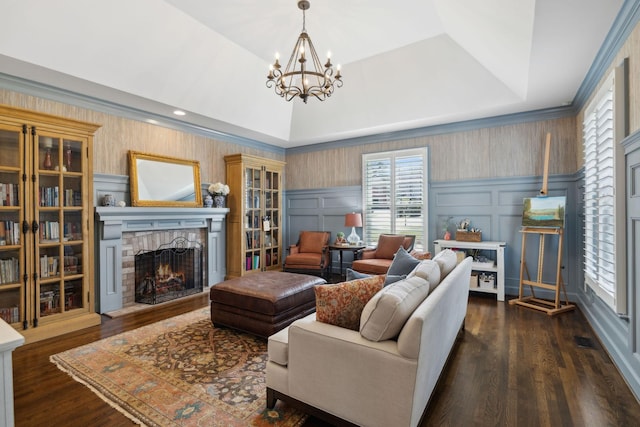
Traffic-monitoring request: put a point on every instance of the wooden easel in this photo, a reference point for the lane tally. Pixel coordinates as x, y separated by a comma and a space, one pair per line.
531, 301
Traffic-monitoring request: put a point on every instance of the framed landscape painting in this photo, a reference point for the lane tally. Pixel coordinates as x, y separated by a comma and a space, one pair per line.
544, 212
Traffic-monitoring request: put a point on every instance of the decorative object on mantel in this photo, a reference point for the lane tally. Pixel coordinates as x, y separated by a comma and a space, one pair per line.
122, 204
208, 201
311, 78
108, 200
219, 192
353, 220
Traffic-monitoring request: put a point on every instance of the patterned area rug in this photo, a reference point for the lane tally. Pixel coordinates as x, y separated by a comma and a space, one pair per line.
180, 372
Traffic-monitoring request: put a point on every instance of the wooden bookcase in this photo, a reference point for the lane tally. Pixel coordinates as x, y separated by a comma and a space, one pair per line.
254, 230
46, 223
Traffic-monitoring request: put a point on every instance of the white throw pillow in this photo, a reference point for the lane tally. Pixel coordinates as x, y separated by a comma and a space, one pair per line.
447, 260
428, 270
386, 313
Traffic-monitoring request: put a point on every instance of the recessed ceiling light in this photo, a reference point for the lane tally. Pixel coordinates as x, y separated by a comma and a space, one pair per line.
179, 113
152, 121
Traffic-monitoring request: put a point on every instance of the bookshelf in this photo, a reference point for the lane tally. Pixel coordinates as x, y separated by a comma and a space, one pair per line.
254, 232
46, 227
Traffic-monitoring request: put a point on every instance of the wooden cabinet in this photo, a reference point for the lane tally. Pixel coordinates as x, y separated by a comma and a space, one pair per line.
254, 231
46, 226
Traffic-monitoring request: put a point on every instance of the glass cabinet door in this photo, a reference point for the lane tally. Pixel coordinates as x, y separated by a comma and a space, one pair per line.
272, 219
11, 216
253, 234
61, 214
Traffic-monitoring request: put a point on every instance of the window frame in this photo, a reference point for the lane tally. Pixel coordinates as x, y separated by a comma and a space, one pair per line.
613, 293
370, 237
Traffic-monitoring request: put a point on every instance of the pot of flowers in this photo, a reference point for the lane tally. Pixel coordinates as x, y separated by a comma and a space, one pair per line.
219, 192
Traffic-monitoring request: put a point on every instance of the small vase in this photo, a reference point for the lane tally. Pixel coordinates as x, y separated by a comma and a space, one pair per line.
108, 200
208, 201
218, 201
447, 235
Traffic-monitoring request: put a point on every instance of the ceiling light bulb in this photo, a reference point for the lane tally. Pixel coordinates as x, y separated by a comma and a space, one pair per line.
277, 56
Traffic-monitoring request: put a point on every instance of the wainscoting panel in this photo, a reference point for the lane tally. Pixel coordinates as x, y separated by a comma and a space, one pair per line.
493, 205
323, 210
463, 198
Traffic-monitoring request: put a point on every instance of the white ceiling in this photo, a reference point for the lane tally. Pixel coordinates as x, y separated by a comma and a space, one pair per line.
406, 63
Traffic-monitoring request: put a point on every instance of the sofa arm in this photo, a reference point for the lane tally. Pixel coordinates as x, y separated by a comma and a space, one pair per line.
338, 371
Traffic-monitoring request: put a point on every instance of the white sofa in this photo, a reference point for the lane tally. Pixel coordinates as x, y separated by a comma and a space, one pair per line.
337, 374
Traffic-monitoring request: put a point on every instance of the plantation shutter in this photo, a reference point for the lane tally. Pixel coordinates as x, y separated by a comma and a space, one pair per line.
395, 195
602, 228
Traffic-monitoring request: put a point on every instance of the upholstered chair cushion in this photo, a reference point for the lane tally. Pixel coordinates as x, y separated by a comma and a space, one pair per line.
388, 245
341, 304
312, 241
386, 313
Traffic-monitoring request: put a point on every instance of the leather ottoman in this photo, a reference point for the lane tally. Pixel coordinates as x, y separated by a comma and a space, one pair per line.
263, 303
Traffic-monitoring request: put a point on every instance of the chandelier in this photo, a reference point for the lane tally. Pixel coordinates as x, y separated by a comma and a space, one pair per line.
303, 77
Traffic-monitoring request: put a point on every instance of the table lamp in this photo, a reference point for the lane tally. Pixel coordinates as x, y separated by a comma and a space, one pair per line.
353, 220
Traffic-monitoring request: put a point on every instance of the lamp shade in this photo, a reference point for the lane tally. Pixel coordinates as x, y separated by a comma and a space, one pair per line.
353, 220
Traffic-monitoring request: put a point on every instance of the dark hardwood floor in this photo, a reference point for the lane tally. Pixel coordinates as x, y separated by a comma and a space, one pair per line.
512, 367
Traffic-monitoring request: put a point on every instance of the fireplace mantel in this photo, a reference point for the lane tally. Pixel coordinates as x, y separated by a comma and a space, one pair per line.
112, 222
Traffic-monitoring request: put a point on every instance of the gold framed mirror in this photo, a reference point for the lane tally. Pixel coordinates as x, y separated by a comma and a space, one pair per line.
157, 180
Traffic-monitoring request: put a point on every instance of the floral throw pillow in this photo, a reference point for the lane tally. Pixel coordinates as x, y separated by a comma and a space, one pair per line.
342, 304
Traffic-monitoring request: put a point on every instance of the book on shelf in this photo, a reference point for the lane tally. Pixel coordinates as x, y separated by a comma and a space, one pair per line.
10, 314
9, 270
9, 194
9, 233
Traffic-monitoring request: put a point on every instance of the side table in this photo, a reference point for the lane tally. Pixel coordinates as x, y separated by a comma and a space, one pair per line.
341, 249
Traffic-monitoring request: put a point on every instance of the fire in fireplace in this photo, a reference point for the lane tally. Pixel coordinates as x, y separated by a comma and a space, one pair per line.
169, 272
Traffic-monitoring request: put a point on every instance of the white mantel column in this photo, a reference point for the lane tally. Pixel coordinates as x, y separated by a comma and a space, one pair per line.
10, 339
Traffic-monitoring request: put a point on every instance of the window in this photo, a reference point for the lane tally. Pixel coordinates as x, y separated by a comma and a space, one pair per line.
395, 195
604, 195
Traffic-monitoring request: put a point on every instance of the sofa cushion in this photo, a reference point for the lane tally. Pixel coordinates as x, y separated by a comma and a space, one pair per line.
386, 313
428, 270
352, 275
447, 260
312, 241
403, 263
388, 245
341, 304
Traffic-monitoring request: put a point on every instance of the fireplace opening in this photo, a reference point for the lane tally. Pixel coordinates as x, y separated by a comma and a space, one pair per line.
171, 271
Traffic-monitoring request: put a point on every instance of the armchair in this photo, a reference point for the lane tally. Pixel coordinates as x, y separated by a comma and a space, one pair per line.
310, 255
377, 260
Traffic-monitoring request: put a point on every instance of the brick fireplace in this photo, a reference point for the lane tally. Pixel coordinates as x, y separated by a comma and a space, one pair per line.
124, 232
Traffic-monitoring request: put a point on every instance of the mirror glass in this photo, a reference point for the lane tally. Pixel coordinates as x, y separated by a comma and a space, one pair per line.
164, 181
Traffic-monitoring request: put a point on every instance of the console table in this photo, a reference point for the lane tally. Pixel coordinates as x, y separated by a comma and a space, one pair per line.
498, 268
